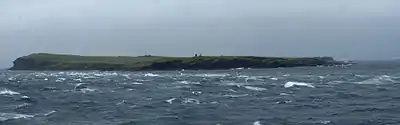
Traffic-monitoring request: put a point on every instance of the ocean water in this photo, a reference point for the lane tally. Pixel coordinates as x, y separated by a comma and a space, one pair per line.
355, 95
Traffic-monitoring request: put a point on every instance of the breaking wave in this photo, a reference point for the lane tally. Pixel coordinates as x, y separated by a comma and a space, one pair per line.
300, 84
151, 75
12, 116
8, 92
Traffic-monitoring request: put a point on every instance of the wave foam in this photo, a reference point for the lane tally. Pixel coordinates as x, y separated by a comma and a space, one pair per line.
255, 88
136, 83
61, 79
188, 82
212, 75
378, 80
236, 96
257, 123
283, 94
8, 92
275, 79
85, 90
80, 86
23, 105
293, 84
50, 113
243, 76
170, 100
10, 116
191, 101
151, 75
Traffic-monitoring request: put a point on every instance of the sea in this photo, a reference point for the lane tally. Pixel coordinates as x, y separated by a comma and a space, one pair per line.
360, 94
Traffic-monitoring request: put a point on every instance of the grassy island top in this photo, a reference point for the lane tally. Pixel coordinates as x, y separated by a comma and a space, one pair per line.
47, 61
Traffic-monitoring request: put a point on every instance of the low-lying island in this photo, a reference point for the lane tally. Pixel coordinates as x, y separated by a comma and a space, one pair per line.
47, 61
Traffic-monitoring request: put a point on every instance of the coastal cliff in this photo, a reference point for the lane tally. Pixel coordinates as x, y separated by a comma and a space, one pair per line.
46, 61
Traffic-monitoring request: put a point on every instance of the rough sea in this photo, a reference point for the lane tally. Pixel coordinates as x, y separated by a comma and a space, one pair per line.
352, 95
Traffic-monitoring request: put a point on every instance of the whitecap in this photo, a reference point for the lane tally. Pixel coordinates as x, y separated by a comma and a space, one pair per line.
370, 81
151, 75
324, 122
284, 102
79, 74
286, 75
80, 85
197, 93
170, 100
234, 84
335, 82
274, 78
121, 103
137, 83
240, 68
50, 113
236, 96
142, 80
361, 76
184, 82
386, 78
255, 88
250, 78
99, 75
214, 102
232, 90
378, 80
126, 76
10, 116
188, 82
257, 123
243, 76
12, 79
89, 77
86, 90
191, 101
8, 92
40, 74
212, 75
25, 97
284, 94
293, 84
60, 79
23, 105
78, 80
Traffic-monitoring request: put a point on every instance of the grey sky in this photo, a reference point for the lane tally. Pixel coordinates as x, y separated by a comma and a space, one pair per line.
345, 29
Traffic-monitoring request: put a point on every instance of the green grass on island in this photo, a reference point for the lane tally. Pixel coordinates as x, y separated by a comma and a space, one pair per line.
46, 61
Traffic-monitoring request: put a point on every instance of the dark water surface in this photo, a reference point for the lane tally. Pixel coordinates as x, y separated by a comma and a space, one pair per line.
292, 96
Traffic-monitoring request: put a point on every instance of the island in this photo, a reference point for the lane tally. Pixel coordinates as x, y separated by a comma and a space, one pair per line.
48, 61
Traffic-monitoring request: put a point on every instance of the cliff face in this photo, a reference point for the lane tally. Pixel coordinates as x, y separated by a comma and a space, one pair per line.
74, 62
23, 63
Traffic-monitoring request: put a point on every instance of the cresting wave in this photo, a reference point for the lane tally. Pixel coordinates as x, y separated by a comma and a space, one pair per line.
11, 116
293, 84
8, 92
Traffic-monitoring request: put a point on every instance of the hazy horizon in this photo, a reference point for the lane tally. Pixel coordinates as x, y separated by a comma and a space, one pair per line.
343, 29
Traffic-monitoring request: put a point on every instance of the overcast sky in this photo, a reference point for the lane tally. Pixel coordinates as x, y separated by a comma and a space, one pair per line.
344, 29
